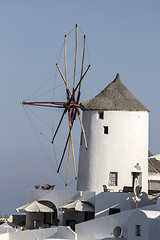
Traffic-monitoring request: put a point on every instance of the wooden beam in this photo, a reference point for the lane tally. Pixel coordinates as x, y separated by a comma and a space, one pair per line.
63, 79
82, 61
65, 59
75, 63
64, 151
58, 125
85, 140
74, 160
68, 158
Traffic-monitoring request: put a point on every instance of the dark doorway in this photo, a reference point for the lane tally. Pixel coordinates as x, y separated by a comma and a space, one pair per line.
71, 223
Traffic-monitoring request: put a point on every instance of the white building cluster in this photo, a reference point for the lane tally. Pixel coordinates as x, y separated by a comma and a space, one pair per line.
111, 200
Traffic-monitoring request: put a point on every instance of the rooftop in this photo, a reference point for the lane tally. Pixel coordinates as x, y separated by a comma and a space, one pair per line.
115, 97
153, 166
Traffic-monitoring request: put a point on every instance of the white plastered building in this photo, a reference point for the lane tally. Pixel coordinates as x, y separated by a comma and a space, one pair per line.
116, 126
153, 174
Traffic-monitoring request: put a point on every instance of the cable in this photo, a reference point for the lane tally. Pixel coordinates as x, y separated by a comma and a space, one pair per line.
32, 124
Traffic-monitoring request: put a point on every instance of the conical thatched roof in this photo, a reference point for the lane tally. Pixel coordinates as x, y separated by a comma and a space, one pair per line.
115, 97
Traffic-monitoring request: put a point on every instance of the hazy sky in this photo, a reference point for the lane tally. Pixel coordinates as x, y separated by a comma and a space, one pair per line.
122, 36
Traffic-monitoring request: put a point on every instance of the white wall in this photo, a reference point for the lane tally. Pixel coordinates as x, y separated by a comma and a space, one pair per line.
154, 229
154, 176
138, 218
154, 182
124, 201
120, 150
29, 235
65, 233
102, 228
57, 232
106, 200
150, 225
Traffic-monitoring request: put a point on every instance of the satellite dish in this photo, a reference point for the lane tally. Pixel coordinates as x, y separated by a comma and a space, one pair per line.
117, 231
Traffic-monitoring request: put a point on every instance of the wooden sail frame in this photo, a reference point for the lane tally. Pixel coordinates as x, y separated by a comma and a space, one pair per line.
71, 106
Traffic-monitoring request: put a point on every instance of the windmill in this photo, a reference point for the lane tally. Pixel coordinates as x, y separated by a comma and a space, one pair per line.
71, 106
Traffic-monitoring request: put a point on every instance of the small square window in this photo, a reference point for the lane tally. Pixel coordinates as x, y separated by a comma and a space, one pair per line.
105, 129
114, 211
138, 230
113, 179
101, 115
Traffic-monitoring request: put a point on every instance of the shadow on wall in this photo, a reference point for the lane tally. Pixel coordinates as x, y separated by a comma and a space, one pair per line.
108, 203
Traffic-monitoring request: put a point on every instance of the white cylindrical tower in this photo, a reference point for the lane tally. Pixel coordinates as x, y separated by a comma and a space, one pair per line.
116, 127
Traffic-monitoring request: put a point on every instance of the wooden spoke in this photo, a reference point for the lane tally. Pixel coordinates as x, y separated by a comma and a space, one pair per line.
68, 158
74, 90
82, 60
44, 104
71, 144
81, 78
65, 60
58, 125
74, 160
75, 64
34, 103
63, 79
83, 130
64, 151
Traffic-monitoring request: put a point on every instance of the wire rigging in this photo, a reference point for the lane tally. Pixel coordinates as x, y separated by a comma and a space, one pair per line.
48, 157
71, 106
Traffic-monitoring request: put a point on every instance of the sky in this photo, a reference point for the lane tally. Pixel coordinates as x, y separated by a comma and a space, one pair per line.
122, 37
